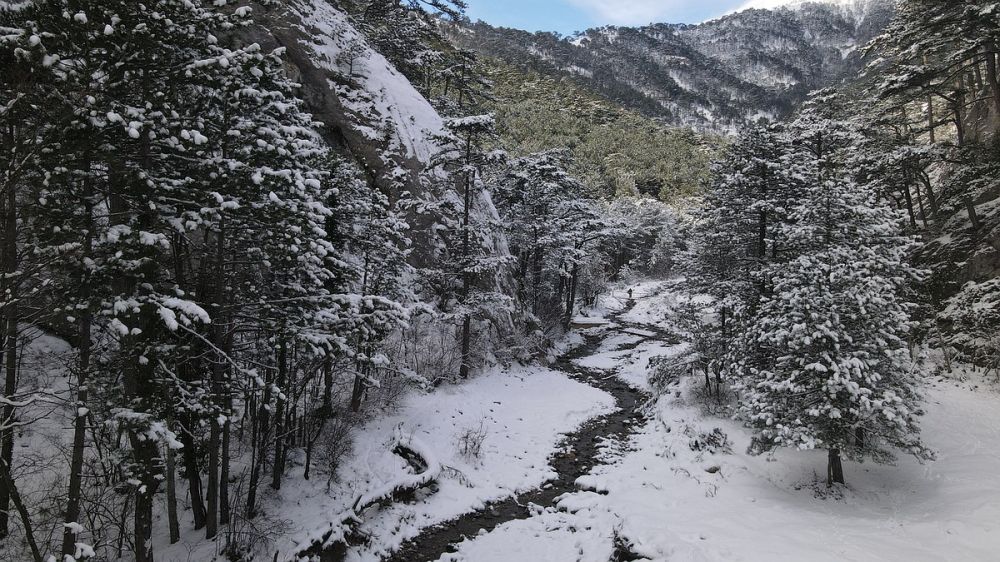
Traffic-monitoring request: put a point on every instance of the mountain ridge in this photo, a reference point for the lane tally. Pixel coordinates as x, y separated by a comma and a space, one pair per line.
717, 75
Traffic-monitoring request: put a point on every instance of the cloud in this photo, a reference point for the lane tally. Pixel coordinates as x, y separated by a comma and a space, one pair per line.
631, 12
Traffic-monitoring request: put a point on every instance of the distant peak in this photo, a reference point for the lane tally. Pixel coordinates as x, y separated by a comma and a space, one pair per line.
773, 4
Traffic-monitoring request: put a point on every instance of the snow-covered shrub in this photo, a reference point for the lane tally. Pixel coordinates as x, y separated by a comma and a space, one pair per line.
246, 537
974, 318
712, 442
470, 440
336, 444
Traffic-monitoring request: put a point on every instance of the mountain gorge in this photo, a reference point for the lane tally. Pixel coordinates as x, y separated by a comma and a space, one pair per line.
362, 280
716, 75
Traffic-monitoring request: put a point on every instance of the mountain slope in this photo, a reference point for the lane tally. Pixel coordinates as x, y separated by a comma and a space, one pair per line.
715, 75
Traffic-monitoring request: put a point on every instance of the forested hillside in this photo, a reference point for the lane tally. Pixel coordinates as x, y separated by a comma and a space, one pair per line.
363, 280
615, 151
715, 76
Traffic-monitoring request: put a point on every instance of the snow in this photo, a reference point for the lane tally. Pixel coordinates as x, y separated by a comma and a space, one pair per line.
669, 502
404, 114
550, 536
523, 426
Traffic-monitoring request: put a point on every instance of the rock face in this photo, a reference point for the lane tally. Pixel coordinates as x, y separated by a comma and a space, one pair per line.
715, 75
371, 113
370, 110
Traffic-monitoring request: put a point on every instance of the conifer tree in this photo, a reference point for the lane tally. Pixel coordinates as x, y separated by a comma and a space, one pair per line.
833, 328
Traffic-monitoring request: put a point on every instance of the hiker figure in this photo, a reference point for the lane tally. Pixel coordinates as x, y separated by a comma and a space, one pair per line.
630, 293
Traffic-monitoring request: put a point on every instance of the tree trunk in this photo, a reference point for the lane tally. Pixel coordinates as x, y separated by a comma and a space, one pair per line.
536, 275
571, 296
224, 469
909, 206
311, 444
834, 468
84, 344
920, 204
10, 315
259, 438
277, 467
991, 75
464, 369
143, 526
327, 385
146, 460
172, 523
970, 206
212, 515
958, 107
930, 118
931, 199
22, 510
358, 390
191, 470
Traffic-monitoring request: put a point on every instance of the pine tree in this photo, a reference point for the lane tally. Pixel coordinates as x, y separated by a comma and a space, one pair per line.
835, 323
735, 239
472, 258
530, 197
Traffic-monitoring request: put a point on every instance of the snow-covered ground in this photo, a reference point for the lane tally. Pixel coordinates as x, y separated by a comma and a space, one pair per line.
672, 496
522, 421
682, 488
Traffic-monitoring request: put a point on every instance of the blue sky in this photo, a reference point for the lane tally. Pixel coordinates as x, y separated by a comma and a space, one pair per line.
567, 16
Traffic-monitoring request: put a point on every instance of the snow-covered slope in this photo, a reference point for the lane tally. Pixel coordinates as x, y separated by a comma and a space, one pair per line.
369, 108
715, 75
396, 113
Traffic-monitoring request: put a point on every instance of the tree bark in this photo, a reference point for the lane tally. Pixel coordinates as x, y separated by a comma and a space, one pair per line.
991, 75
10, 315
259, 453
224, 513
463, 371
22, 510
909, 206
277, 467
571, 296
191, 470
84, 344
931, 126
834, 468
970, 206
172, 523
212, 515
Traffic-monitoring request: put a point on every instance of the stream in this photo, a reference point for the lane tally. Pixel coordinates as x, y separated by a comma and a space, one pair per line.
577, 454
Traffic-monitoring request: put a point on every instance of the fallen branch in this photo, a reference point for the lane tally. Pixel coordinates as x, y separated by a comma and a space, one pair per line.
343, 530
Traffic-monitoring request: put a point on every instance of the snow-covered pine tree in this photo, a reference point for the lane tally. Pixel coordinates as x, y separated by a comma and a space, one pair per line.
939, 54
835, 322
735, 238
33, 116
472, 264
530, 197
649, 239
148, 113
